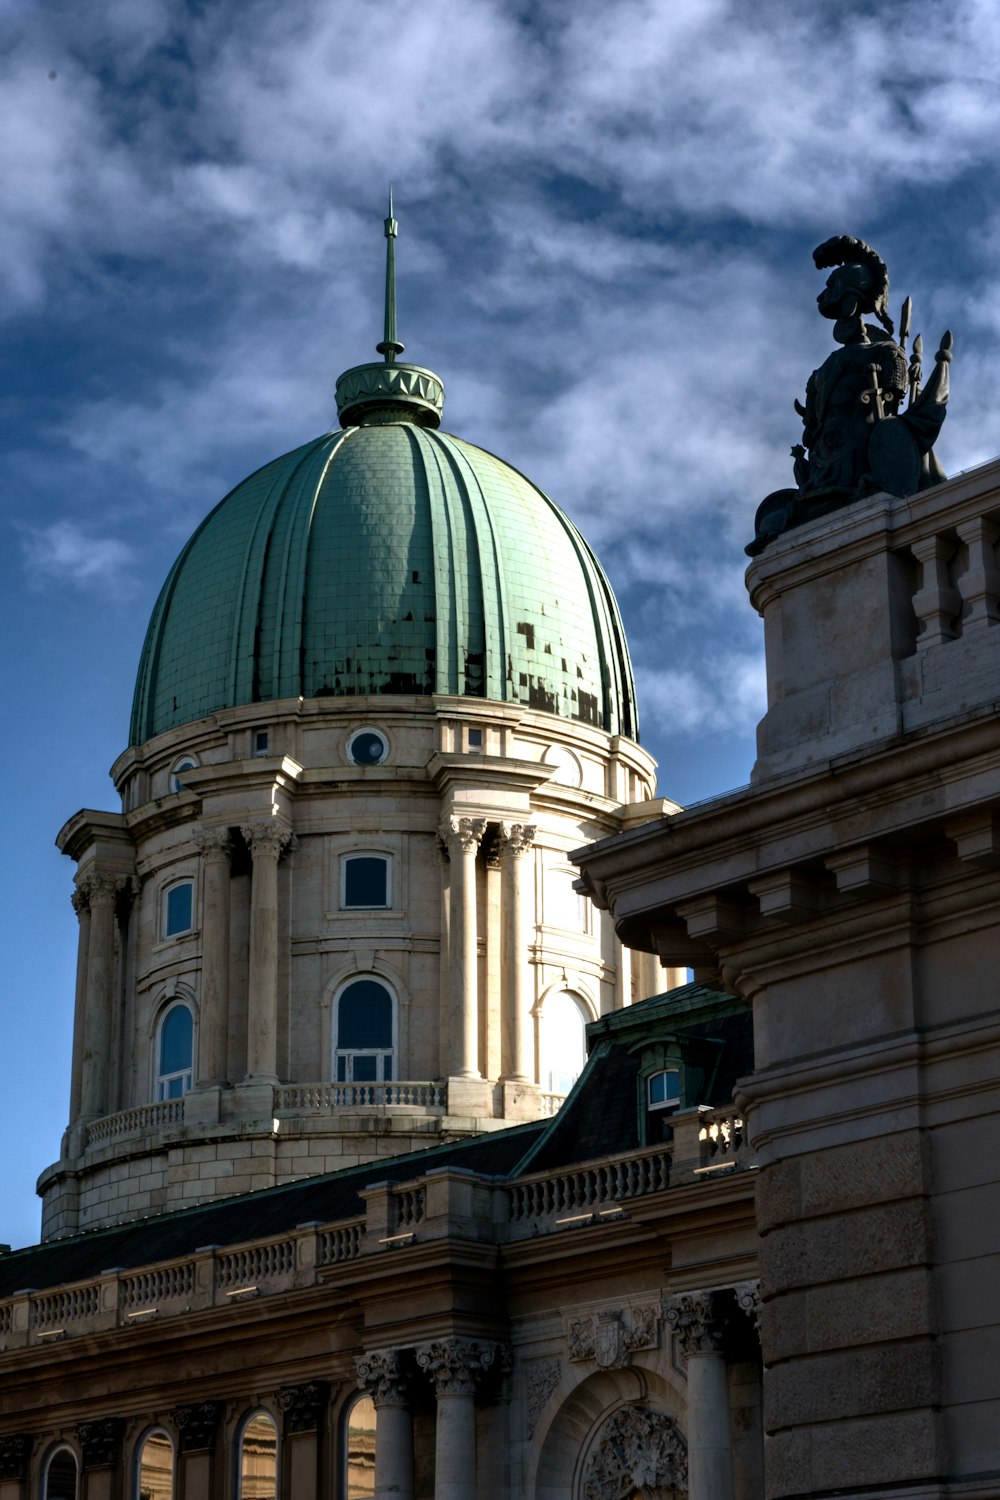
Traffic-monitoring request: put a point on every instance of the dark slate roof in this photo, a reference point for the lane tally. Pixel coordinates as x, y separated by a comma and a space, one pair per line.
328, 1198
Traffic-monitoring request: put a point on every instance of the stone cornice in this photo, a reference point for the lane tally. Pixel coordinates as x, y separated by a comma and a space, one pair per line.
92, 829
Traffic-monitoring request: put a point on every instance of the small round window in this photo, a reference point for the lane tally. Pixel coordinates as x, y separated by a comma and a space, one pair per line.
186, 763
366, 747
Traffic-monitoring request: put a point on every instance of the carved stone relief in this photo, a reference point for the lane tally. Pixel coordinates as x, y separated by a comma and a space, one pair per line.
611, 1340
197, 1425
636, 1448
304, 1405
542, 1378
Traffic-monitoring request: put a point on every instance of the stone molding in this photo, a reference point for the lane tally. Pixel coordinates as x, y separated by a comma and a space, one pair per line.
462, 835
637, 1449
515, 839
606, 1338
694, 1319
456, 1365
269, 838
101, 1442
214, 844
543, 1375
381, 1374
15, 1451
304, 1406
197, 1425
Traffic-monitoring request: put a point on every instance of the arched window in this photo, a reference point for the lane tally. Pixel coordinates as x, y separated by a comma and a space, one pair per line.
186, 763
257, 1458
175, 1053
358, 1479
364, 1033
154, 1467
563, 1041
61, 1475
178, 908
365, 881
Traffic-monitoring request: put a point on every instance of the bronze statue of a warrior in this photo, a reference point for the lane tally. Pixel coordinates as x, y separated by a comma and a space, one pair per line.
859, 434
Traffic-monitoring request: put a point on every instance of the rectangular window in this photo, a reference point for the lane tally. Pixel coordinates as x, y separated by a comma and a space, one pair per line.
365, 881
475, 739
178, 910
261, 741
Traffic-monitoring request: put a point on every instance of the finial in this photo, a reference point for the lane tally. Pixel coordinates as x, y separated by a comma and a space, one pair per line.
390, 345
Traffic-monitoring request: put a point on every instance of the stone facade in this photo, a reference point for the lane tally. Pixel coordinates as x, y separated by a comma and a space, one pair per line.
852, 894
479, 939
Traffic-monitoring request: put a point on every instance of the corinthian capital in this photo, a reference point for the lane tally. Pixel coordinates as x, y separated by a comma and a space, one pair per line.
214, 844
80, 898
267, 837
104, 890
462, 835
515, 838
455, 1365
695, 1320
381, 1374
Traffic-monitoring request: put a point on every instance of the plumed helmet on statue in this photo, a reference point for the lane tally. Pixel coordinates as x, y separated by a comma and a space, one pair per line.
863, 275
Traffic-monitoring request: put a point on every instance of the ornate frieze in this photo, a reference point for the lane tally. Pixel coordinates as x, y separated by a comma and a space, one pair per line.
456, 1365
14, 1454
542, 1377
462, 835
381, 1373
197, 1425
304, 1405
611, 1339
637, 1449
101, 1442
694, 1319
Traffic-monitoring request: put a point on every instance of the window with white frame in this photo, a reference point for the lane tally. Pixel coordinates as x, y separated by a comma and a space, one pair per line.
154, 1467
61, 1475
178, 908
257, 1458
364, 1035
175, 1053
663, 1089
365, 882
357, 1481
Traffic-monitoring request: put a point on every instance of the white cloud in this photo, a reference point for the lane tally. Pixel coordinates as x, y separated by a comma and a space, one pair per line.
64, 553
722, 691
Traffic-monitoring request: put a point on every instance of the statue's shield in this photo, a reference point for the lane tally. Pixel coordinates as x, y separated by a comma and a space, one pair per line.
894, 457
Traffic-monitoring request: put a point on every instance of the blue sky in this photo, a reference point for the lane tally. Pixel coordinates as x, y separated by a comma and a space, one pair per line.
607, 216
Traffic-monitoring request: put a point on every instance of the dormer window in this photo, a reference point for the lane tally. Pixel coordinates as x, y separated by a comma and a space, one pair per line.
664, 1089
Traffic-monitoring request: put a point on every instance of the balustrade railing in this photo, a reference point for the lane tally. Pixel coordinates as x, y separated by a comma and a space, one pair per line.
325, 1097
722, 1139
136, 1121
573, 1195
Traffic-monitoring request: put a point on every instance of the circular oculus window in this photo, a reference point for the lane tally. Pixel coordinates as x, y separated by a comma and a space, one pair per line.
367, 747
186, 763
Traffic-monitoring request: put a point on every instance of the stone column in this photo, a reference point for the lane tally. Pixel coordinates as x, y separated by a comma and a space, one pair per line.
301, 1451
462, 836
81, 905
266, 840
515, 841
380, 1373
710, 1456
101, 892
197, 1427
454, 1365
215, 846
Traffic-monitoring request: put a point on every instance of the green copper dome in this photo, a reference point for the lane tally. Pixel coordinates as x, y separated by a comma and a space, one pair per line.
387, 558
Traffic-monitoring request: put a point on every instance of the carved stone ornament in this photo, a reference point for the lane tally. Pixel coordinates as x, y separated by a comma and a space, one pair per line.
104, 890
270, 837
748, 1300
215, 844
80, 899
637, 1449
543, 1376
14, 1454
304, 1405
455, 1365
462, 835
514, 839
611, 1340
197, 1425
694, 1319
381, 1374
101, 1442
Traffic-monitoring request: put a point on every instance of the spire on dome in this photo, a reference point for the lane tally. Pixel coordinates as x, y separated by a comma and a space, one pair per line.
390, 345
375, 395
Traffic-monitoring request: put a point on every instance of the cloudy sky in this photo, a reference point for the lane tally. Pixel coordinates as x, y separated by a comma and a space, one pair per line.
607, 215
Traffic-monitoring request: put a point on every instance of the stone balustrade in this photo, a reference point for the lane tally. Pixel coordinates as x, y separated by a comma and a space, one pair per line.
141, 1120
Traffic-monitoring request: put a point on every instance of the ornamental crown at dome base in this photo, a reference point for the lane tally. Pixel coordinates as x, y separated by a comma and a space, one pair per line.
369, 395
